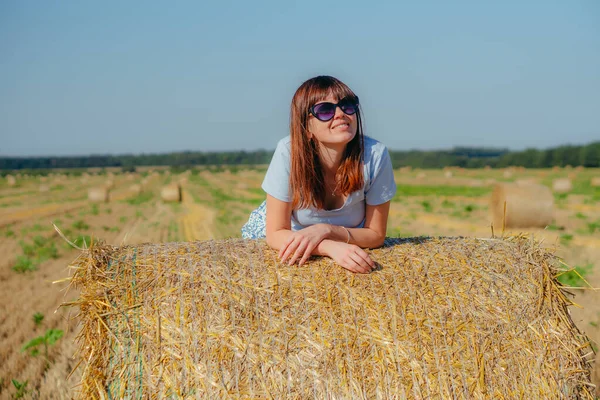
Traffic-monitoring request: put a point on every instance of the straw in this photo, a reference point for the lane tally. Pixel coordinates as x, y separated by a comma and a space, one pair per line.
440, 318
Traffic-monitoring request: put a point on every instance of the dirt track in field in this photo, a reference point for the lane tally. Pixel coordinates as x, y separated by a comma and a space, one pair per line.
214, 205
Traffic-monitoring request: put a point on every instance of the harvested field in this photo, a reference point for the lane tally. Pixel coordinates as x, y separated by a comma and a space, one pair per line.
215, 204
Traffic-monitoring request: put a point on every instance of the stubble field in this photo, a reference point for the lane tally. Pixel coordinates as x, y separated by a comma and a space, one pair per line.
215, 204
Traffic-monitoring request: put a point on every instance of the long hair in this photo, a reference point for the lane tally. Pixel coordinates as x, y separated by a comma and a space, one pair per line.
307, 183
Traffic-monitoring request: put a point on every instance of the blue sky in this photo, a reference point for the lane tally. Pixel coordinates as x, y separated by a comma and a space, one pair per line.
83, 77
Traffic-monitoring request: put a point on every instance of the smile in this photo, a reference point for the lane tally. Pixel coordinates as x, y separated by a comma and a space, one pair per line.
343, 125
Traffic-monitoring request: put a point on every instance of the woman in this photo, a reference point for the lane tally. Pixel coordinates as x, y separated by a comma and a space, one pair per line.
328, 186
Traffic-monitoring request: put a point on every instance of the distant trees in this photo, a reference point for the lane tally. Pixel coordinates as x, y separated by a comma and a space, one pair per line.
587, 156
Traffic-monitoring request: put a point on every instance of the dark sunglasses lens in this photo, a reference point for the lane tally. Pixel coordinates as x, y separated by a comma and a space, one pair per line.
349, 107
324, 111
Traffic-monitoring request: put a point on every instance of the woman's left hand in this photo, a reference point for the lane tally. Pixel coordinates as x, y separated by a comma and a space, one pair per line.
300, 244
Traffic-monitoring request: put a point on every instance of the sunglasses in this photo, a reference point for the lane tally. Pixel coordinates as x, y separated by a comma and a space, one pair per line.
325, 111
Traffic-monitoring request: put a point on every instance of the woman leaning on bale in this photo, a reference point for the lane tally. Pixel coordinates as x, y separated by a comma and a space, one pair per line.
328, 186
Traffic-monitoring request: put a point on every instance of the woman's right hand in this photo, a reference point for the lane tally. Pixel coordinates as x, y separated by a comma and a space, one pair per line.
350, 257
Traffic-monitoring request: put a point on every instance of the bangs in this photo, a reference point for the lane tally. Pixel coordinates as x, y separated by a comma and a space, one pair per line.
322, 87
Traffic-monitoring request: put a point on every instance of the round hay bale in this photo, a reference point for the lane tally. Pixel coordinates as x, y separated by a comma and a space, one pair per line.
527, 205
562, 185
171, 193
489, 321
109, 184
11, 180
136, 189
507, 173
421, 175
44, 188
98, 195
595, 181
448, 174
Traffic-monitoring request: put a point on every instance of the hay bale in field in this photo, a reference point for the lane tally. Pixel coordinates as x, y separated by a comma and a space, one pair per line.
595, 181
44, 188
421, 175
527, 205
98, 195
441, 318
109, 184
171, 193
507, 173
11, 180
562, 185
136, 189
448, 174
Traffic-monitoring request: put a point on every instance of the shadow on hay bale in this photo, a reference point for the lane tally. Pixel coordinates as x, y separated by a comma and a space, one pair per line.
441, 318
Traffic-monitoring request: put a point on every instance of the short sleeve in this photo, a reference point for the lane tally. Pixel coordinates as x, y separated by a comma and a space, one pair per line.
277, 178
383, 186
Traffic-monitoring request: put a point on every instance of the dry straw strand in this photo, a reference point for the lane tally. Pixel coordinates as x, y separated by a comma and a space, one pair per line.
440, 318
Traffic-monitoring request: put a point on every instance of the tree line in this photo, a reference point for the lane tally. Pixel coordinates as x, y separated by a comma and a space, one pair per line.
585, 155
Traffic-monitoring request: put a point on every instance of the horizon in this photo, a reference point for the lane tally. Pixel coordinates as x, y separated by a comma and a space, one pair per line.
270, 150
147, 78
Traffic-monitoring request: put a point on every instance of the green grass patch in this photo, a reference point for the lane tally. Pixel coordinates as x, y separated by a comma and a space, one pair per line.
35, 253
24, 264
9, 233
80, 225
566, 238
593, 227
580, 215
573, 277
448, 204
425, 190
140, 199
426, 206
38, 317
21, 388
82, 241
554, 227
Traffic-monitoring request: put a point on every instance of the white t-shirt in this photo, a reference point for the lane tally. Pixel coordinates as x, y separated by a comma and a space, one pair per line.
379, 187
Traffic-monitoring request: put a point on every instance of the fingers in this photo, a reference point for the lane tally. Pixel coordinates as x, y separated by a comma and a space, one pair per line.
300, 249
307, 253
283, 249
359, 261
288, 249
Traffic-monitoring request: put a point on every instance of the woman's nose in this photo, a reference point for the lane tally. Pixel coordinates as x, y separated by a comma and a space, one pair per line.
338, 112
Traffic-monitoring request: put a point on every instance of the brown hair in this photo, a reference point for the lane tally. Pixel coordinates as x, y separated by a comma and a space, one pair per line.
307, 183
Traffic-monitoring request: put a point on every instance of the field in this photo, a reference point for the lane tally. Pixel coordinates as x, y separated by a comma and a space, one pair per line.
37, 337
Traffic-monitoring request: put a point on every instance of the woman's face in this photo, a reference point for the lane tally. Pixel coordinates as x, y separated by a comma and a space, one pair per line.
337, 131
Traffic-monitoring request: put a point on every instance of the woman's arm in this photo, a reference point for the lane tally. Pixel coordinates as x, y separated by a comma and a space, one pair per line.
372, 234
325, 239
